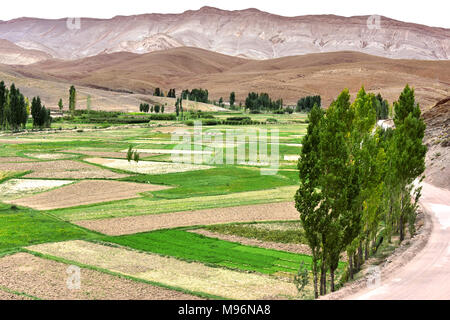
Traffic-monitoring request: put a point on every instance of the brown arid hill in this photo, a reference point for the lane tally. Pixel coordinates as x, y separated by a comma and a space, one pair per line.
13, 54
290, 78
437, 139
243, 33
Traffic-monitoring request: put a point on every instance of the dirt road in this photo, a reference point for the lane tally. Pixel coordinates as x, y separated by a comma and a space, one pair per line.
427, 276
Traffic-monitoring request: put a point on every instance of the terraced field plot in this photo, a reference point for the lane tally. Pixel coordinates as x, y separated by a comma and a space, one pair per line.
215, 181
288, 247
47, 279
145, 206
85, 192
106, 154
191, 276
194, 247
147, 167
14, 159
22, 227
129, 225
50, 156
61, 169
18, 188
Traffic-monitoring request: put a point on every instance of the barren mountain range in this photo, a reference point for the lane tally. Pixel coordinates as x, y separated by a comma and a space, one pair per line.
120, 61
120, 80
246, 33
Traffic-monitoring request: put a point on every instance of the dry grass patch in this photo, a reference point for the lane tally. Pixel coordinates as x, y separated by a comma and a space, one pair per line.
172, 151
61, 169
16, 188
135, 224
190, 276
86, 192
47, 279
147, 167
50, 156
106, 154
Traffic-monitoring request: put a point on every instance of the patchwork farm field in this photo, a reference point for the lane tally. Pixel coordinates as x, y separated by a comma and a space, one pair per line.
152, 228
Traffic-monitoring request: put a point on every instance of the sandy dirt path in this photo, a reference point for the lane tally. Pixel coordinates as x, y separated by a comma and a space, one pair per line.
129, 225
427, 275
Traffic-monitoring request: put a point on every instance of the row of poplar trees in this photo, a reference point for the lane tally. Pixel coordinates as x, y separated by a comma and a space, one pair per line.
357, 181
13, 108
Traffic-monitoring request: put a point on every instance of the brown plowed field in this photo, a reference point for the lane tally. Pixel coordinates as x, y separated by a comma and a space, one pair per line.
62, 169
135, 224
85, 192
47, 279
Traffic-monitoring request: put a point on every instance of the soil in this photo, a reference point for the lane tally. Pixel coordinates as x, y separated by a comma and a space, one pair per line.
129, 225
14, 159
192, 276
61, 169
85, 192
47, 279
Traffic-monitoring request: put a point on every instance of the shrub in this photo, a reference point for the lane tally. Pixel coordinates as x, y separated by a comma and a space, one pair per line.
163, 116
238, 118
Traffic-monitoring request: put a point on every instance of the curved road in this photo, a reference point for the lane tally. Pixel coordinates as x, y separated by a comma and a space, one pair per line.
427, 276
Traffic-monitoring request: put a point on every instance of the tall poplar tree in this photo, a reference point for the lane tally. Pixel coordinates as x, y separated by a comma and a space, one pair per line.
308, 197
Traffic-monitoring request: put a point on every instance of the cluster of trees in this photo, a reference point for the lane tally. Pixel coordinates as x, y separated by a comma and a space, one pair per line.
14, 108
158, 92
305, 104
41, 115
262, 101
171, 93
356, 181
144, 107
199, 95
157, 109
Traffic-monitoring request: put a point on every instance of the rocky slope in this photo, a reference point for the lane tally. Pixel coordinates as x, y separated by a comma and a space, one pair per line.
437, 139
247, 33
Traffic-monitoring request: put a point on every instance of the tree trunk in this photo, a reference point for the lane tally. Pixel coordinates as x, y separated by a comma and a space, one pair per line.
401, 227
332, 279
316, 292
360, 255
315, 271
366, 250
322, 276
350, 266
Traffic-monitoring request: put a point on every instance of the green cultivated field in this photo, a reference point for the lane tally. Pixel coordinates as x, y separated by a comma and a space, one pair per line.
24, 227
219, 187
194, 247
220, 180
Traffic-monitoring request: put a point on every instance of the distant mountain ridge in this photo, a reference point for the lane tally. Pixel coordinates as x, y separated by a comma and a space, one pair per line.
243, 33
